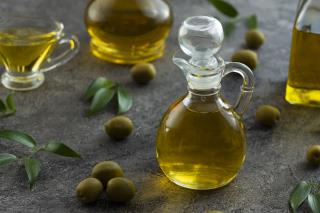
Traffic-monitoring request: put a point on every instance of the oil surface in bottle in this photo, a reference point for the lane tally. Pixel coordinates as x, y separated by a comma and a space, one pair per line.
303, 86
200, 150
128, 31
27, 54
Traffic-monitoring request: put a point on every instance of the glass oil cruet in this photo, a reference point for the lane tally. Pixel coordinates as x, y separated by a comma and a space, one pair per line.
201, 138
303, 85
128, 31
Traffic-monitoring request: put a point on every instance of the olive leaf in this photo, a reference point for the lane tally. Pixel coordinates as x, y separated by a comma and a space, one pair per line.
10, 103
3, 107
252, 22
61, 149
32, 167
225, 8
298, 195
101, 98
97, 84
124, 100
314, 202
18, 137
228, 28
8, 107
6, 158
229, 10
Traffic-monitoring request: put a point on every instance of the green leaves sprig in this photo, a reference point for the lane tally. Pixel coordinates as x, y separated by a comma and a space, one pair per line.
303, 192
225, 8
230, 11
8, 107
31, 164
100, 93
252, 22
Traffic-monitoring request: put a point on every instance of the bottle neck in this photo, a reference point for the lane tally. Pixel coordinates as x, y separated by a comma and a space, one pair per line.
203, 101
206, 79
203, 82
203, 93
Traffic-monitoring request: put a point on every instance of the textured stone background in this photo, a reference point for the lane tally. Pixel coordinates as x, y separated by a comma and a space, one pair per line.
275, 158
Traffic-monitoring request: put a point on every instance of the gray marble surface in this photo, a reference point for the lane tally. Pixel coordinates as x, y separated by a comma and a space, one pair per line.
275, 158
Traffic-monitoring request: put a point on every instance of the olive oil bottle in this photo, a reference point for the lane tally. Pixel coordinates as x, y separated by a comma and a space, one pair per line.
303, 85
128, 31
201, 150
201, 138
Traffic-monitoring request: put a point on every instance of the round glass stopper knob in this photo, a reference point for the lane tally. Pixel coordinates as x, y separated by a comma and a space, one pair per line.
201, 37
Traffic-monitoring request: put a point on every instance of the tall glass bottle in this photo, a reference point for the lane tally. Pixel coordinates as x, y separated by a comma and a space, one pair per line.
303, 85
128, 31
201, 138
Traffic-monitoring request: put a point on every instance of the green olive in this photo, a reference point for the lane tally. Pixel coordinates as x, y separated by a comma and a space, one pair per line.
254, 38
313, 155
106, 170
247, 57
143, 73
267, 115
119, 127
89, 190
120, 189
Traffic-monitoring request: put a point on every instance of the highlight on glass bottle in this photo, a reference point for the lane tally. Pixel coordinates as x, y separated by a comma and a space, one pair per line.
128, 31
27, 47
303, 85
201, 139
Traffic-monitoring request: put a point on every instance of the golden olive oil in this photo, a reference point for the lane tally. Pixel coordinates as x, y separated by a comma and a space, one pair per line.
128, 31
303, 85
200, 150
25, 55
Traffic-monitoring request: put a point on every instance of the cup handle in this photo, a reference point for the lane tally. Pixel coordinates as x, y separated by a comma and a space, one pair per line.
246, 89
66, 55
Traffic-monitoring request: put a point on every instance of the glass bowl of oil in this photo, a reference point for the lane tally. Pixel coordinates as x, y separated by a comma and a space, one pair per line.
28, 47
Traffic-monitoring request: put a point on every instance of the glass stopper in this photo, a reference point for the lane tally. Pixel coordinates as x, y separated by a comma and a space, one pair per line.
201, 37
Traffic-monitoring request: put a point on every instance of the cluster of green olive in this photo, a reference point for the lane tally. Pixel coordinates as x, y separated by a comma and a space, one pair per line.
120, 127
254, 40
109, 175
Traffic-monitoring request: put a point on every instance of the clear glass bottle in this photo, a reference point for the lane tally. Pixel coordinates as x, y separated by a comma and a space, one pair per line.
128, 31
201, 138
303, 85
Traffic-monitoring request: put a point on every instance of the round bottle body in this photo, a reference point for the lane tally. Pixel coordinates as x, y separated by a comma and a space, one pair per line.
128, 31
200, 150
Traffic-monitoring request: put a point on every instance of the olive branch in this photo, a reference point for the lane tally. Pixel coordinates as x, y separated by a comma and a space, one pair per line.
230, 11
305, 191
101, 91
32, 165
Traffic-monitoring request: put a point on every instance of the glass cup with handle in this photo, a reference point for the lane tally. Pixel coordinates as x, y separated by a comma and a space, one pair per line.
28, 48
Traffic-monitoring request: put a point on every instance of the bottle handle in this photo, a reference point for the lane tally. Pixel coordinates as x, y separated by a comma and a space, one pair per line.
246, 89
66, 55
300, 8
